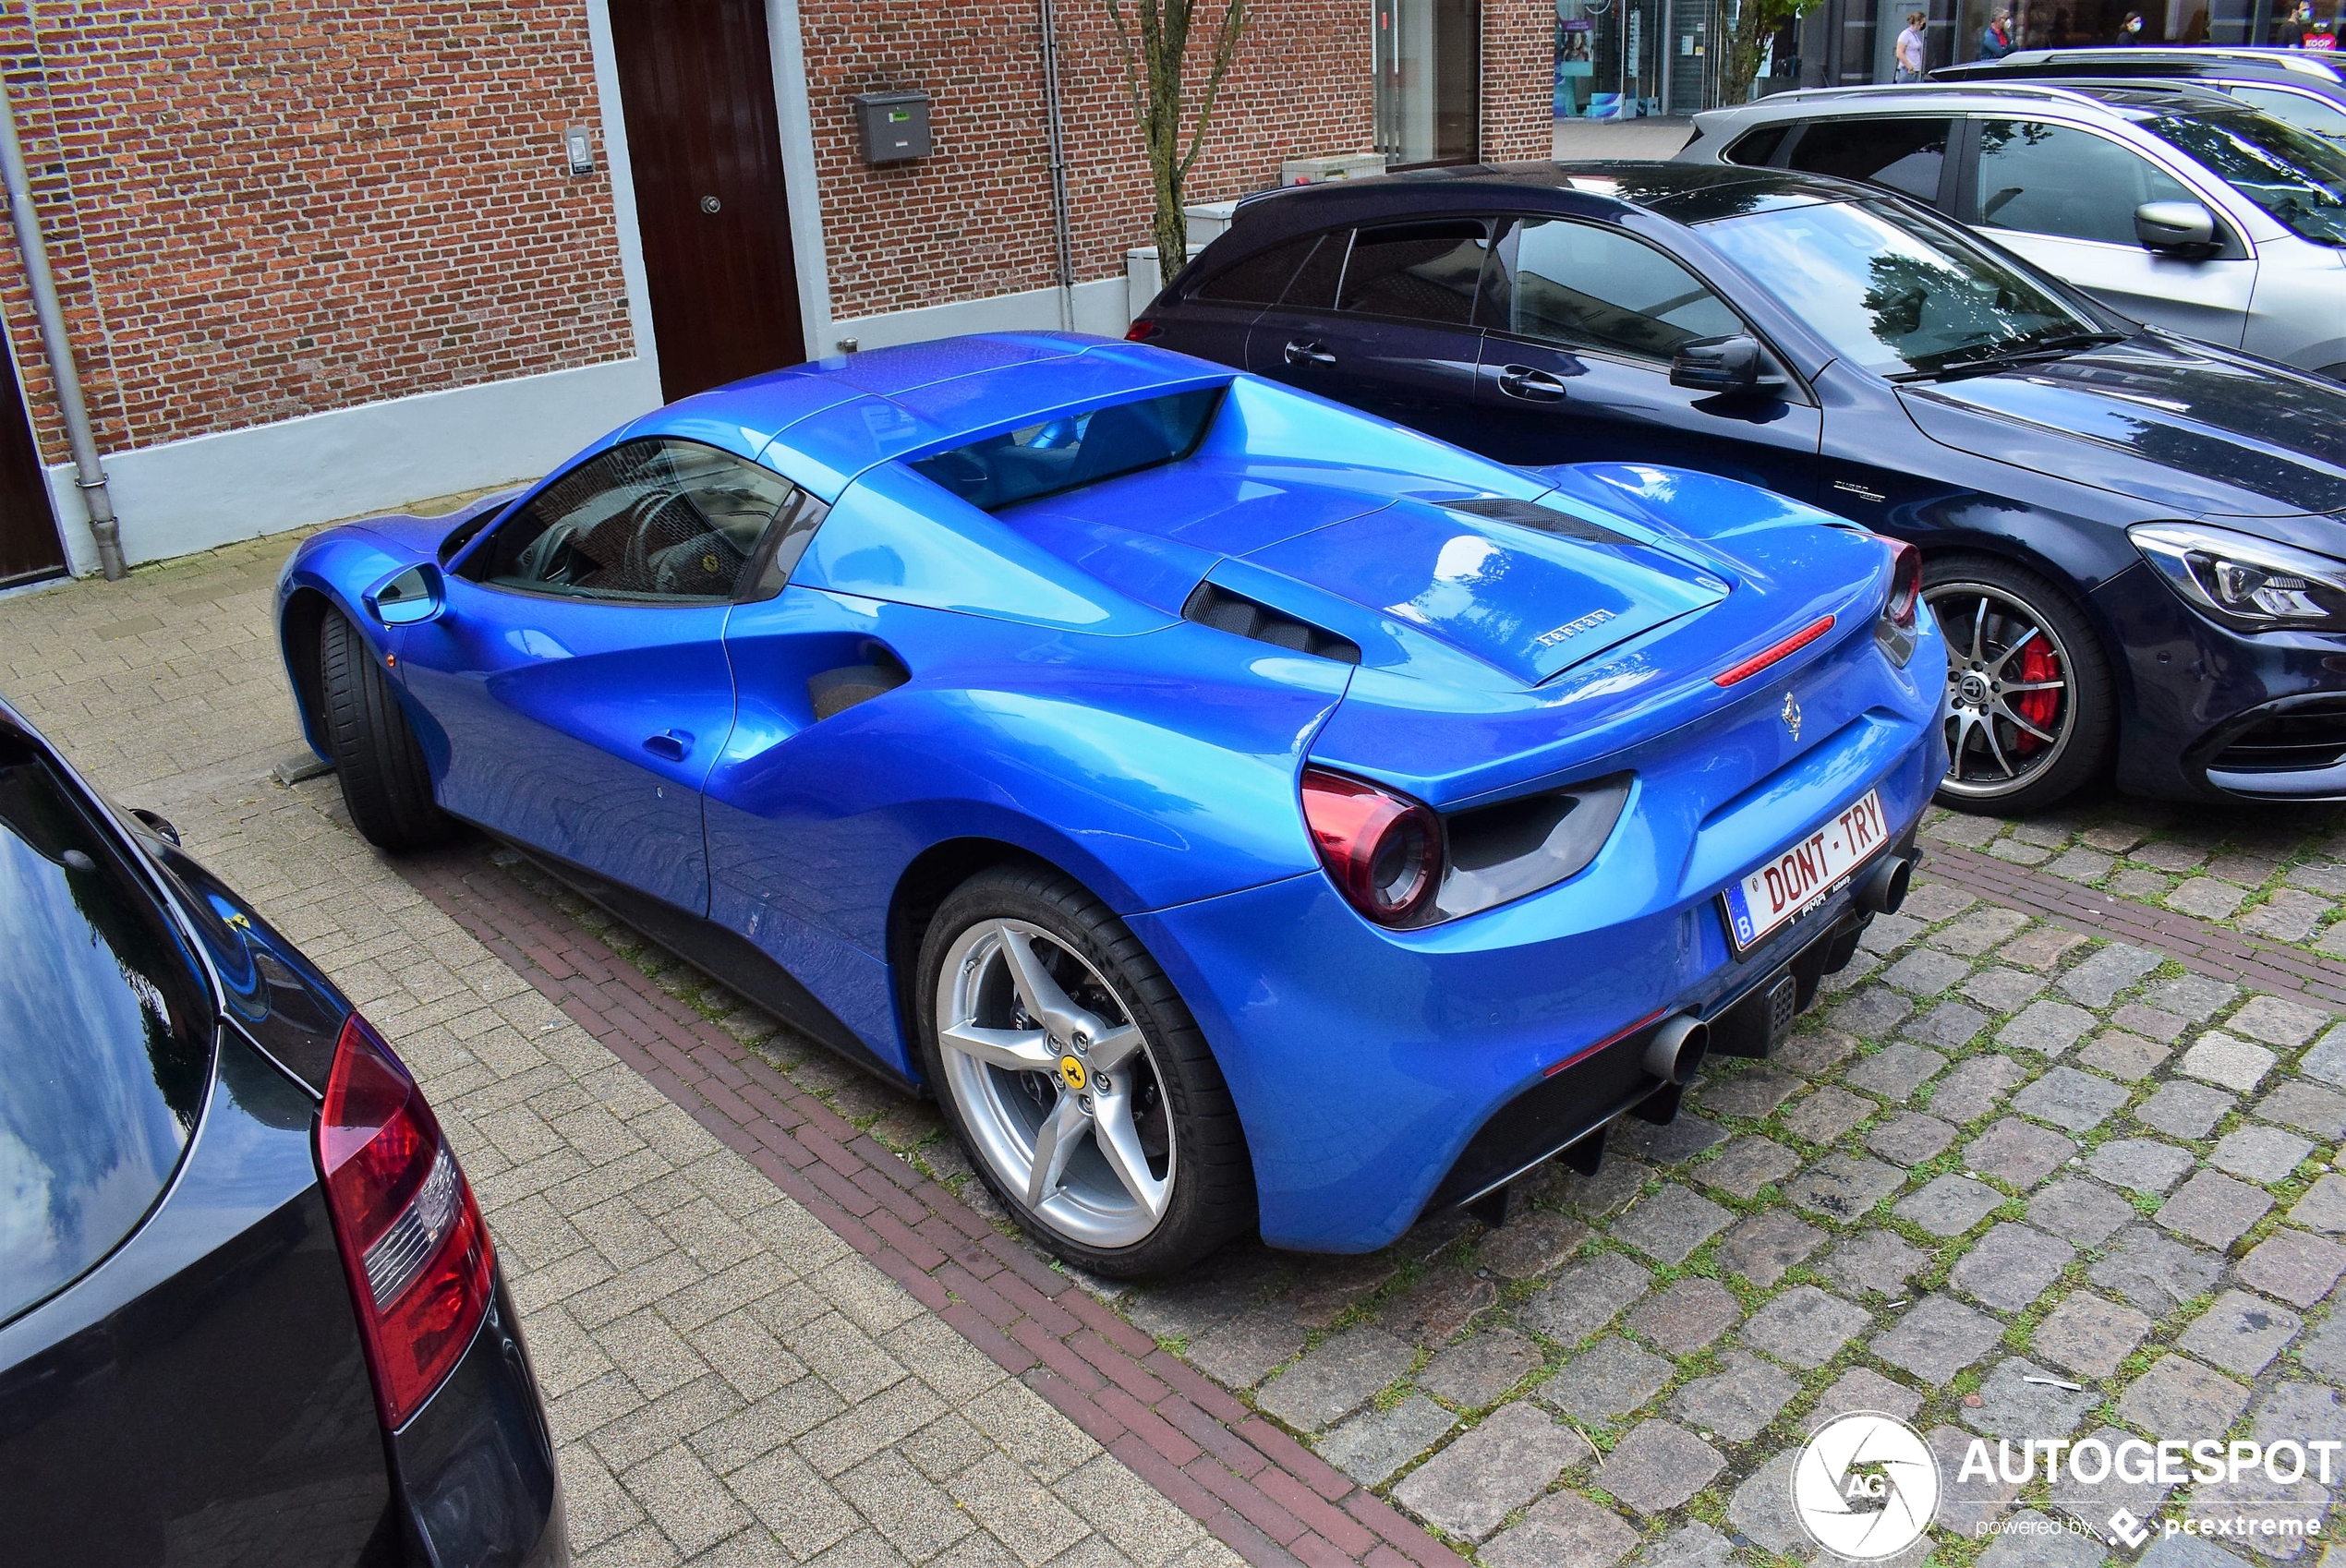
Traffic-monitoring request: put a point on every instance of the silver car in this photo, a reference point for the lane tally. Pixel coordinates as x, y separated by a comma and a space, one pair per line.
2176, 206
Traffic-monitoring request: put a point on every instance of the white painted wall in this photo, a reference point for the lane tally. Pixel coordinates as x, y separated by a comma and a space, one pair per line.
1099, 307
194, 494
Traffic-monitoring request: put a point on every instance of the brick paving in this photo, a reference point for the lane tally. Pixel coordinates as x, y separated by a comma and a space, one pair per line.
2054, 1157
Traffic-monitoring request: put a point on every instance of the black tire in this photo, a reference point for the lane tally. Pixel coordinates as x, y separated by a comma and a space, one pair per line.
1212, 1177
1955, 587
384, 779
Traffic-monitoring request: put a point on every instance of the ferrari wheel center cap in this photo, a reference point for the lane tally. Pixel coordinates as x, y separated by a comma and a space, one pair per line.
1072, 1074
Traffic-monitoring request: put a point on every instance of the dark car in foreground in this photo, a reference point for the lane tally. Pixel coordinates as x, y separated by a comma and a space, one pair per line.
2132, 540
249, 1313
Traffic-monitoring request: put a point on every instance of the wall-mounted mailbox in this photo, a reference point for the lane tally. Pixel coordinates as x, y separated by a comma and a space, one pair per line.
892, 127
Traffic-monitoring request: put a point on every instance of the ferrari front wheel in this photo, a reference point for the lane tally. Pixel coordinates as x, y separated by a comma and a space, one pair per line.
386, 781
1066, 1063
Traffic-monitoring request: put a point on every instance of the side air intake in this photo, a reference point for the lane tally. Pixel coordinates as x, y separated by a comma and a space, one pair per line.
1226, 611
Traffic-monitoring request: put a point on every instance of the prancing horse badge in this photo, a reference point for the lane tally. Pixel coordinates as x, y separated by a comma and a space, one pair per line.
1791, 715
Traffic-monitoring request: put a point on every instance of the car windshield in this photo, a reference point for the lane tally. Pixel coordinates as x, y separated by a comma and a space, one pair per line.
2297, 177
1076, 450
1894, 292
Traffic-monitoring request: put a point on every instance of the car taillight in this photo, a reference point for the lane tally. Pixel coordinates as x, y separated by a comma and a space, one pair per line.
1140, 331
1895, 629
1383, 850
412, 1244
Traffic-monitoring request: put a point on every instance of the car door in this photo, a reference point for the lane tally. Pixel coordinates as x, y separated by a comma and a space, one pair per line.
1384, 322
1212, 318
575, 685
1581, 320
2064, 197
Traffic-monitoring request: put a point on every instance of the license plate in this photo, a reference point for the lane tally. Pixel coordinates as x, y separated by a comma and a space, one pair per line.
1802, 876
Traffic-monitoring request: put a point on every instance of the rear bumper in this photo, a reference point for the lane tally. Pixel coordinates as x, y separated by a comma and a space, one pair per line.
476, 1465
1364, 1061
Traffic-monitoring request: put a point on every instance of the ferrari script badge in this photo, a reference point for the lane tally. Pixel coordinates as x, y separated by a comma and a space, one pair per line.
1791, 715
1071, 1073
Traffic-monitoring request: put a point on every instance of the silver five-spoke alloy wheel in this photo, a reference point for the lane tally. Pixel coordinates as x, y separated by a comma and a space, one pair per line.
1994, 748
1056, 1084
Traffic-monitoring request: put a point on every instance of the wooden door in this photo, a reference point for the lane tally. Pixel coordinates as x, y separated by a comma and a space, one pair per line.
29, 548
696, 87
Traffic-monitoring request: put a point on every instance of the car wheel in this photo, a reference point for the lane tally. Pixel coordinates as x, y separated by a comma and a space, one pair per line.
1080, 1084
2027, 709
384, 780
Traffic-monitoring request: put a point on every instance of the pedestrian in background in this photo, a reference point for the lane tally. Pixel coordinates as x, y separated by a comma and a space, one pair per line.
1997, 41
1911, 47
2290, 31
2131, 30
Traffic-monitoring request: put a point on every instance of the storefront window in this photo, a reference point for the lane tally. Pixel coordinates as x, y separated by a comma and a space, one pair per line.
1429, 70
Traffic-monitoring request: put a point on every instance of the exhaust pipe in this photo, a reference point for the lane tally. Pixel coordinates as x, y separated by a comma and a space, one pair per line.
1883, 888
1677, 1048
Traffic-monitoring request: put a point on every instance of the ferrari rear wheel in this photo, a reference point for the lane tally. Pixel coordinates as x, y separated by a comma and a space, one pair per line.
384, 779
1069, 1068
2027, 707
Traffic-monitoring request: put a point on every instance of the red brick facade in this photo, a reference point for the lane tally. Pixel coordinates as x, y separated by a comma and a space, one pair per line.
259, 211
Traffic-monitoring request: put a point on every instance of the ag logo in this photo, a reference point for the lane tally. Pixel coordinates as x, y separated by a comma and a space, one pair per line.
1071, 1073
1865, 1486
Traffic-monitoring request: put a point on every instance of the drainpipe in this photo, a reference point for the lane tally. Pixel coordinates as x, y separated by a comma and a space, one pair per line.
1064, 261
87, 475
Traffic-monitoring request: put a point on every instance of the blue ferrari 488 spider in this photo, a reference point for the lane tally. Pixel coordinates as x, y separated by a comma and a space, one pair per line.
1236, 810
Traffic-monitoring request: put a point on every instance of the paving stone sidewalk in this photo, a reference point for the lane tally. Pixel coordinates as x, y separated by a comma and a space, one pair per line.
728, 1380
2008, 1179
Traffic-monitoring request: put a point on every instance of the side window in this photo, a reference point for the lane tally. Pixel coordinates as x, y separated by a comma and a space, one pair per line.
1315, 280
1760, 148
2044, 179
1904, 154
1582, 286
652, 519
2300, 109
1421, 271
1259, 279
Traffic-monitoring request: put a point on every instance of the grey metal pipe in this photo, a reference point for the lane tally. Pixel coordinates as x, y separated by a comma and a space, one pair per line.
88, 474
1064, 261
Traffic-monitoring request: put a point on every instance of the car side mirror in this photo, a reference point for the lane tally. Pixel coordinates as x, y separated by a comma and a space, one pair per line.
413, 596
2175, 227
1732, 364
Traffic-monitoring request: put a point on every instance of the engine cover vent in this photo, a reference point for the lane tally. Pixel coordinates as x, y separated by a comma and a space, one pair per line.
1226, 611
1546, 519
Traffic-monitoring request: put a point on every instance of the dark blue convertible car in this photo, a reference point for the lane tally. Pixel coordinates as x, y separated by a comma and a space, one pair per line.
1232, 806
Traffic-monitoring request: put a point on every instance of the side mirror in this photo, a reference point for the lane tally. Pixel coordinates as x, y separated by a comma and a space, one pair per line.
1731, 364
156, 823
2175, 226
413, 596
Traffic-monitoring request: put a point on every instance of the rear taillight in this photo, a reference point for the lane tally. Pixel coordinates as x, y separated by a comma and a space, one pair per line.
1140, 331
1382, 850
412, 1244
1895, 629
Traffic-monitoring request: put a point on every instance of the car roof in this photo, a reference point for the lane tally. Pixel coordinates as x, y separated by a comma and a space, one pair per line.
2197, 61
1686, 193
2126, 100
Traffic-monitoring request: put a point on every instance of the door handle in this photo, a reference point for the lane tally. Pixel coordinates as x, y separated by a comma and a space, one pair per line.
670, 745
1309, 350
1532, 386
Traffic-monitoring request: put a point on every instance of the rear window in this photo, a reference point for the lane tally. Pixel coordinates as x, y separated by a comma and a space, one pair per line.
1905, 155
1074, 450
106, 1038
1259, 279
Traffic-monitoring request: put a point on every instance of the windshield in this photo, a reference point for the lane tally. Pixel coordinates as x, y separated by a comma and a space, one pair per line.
1892, 291
2297, 177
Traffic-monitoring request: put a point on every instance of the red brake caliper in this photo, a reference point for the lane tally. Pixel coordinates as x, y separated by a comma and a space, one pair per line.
2036, 663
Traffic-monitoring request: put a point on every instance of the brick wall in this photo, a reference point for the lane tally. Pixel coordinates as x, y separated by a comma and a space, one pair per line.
262, 210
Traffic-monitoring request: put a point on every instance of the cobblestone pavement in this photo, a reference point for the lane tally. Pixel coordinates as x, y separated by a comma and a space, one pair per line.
728, 1380
2053, 1158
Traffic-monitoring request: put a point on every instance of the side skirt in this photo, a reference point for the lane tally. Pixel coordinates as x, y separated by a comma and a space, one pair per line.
724, 955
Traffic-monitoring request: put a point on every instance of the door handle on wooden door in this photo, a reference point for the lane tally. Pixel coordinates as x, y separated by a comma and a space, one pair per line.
1309, 350
1532, 386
